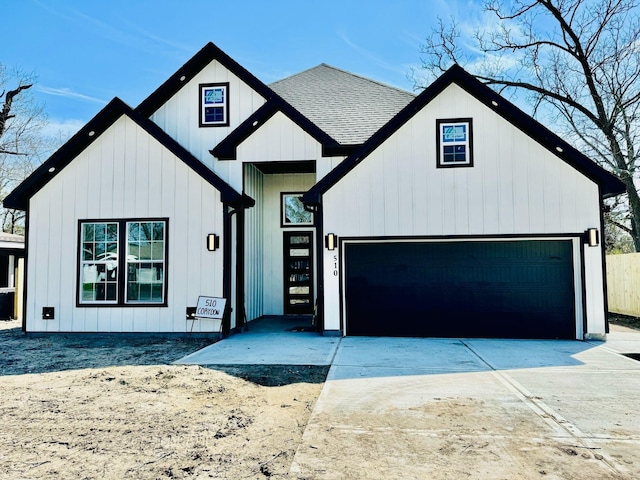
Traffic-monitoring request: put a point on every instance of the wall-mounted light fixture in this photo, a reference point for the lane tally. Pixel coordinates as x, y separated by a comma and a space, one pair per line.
330, 241
593, 237
213, 242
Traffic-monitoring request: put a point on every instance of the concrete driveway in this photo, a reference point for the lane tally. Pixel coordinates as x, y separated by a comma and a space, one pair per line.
477, 409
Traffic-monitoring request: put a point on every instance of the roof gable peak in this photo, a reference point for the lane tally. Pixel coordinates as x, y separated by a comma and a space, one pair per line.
190, 69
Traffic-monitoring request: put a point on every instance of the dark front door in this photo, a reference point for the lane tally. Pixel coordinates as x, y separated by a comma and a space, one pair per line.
298, 273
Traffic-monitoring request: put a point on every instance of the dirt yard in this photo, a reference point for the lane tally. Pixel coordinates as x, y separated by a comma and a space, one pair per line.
113, 408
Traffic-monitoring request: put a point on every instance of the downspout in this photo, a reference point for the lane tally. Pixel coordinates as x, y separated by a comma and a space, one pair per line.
240, 289
227, 263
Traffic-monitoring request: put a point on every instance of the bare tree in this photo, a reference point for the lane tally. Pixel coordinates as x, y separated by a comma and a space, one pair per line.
21, 138
575, 60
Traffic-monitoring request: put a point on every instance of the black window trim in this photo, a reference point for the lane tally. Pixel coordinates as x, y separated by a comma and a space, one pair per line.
439, 162
201, 121
122, 227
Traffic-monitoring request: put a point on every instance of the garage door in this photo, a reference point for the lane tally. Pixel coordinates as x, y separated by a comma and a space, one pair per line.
500, 289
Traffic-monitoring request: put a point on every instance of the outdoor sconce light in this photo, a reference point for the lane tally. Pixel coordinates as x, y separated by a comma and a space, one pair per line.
213, 242
330, 241
593, 237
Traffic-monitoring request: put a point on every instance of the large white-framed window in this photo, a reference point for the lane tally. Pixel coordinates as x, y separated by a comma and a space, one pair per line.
454, 142
122, 262
214, 104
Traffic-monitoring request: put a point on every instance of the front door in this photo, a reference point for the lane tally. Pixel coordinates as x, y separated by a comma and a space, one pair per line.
298, 273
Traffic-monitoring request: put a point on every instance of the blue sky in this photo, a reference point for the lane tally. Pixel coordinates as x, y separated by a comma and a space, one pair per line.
85, 52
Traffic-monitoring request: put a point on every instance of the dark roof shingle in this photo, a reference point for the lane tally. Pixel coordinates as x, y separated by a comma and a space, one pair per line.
348, 107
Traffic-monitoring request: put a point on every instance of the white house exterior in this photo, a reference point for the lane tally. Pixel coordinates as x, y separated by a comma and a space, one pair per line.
447, 214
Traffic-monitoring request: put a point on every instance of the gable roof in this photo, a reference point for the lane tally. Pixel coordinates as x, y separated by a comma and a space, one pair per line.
609, 184
200, 60
19, 197
337, 108
227, 148
350, 108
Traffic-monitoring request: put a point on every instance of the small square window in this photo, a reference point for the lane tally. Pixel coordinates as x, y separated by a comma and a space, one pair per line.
214, 104
454, 142
293, 211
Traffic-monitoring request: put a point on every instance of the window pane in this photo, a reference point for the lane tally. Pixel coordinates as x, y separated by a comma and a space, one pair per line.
158, 231
213, 95
133, 252
112, 232
294, 212
145, 282
157, 251
88, 234
214, 114
99, 262
133, 230
100, 231
88, 251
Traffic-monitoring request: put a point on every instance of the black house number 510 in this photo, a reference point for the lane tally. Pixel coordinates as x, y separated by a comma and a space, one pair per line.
335, 265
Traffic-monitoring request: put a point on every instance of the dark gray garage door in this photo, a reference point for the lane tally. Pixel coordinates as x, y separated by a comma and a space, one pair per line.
501, 289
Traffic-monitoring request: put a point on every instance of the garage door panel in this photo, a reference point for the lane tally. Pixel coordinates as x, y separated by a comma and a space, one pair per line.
514, 289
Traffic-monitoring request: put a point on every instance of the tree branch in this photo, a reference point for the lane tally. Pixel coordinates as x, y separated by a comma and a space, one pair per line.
6, 152
5, 114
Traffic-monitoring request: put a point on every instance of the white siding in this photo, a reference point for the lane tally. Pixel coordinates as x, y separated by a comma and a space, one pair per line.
179, 117
123, 174
515, 187
280, 140
254, 246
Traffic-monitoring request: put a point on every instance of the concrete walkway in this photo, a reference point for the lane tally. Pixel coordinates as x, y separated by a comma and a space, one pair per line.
459, 408
269, 341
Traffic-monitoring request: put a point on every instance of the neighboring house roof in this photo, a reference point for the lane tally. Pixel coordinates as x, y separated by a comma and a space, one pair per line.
609, 184
10, 243
348, 107
19, 198
11, 237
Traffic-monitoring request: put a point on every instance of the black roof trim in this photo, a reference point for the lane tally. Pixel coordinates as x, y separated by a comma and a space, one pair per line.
19, 197
226, 149
610, 185
204, 57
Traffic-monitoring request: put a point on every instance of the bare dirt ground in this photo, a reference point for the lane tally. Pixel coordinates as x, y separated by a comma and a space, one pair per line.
81, 407
78, 407
623, 323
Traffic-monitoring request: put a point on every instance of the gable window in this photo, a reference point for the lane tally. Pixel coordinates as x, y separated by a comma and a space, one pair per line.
214, 104
455, 142
122, 262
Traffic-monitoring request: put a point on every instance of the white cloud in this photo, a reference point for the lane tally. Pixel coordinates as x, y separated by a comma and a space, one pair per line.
342, 34
68, 93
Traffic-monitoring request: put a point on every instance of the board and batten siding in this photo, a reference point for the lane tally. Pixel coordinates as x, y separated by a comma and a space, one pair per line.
123, 174
254, 246
179, 118
515, 187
